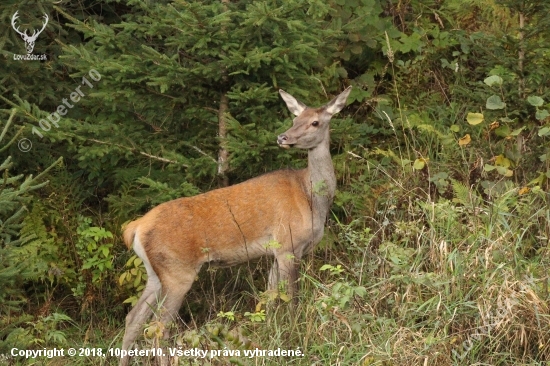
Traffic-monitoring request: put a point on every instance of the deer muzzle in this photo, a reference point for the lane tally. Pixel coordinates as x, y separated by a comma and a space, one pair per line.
282, 141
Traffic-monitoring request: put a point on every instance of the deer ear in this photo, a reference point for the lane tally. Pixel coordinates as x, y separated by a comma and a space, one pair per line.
296, 107
336, 105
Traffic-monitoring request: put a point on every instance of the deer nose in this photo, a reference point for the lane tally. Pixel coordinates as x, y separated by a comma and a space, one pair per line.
281, 139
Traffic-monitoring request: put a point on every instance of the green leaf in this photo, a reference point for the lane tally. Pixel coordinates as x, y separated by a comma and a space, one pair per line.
535, 101
541, 114
494, 102
492, 80
360, 291
488, 167
503, 131
474, 118
356, 49
456, 128
504, 171
543, 132
517, 131
342, 72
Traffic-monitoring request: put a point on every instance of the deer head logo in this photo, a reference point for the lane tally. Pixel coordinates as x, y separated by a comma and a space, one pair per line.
29, 40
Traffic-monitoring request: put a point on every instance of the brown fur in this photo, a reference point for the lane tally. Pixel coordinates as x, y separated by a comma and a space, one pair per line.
207, 227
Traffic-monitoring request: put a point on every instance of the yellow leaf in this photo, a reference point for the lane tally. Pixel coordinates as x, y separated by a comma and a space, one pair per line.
154, 330
121, 278
132, 258
259, 306
419, 164
150, 331
474, 118
524, 190
465, 140
137, 280
284, 297
500, 160
504, 171
270, 295
369, 361
494, 125
132, 300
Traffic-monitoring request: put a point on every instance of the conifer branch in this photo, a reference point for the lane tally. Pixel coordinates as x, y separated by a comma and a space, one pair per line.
164, 160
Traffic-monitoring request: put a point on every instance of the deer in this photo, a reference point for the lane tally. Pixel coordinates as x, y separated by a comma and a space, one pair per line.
29, 40
236, 224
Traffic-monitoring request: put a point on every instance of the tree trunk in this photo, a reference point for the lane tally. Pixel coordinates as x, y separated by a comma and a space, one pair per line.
521, 56
223, 154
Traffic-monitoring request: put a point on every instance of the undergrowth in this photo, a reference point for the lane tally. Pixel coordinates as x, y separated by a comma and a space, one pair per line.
457, 281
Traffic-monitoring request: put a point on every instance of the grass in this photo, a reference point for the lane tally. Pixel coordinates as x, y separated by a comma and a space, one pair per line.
459, 279
452, 282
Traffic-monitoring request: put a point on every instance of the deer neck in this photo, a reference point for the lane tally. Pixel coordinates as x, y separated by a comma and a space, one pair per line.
322, 180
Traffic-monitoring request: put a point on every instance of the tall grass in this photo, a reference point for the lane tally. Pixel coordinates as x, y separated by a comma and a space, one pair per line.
459, 281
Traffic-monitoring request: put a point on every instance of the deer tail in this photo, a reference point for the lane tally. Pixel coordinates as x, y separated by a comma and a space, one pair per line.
130, 232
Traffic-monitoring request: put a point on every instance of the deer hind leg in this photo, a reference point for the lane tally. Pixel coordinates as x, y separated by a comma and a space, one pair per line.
145, 305
285, 273
140, 313
174, 288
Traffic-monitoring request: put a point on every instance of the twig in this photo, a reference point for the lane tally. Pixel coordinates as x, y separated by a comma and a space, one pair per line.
201, 152
164, 160
355, 155
12, 114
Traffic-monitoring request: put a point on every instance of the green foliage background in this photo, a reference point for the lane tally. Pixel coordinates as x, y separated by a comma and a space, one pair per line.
442, 156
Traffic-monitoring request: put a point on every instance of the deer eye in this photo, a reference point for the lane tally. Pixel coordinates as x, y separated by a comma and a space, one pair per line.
315, 123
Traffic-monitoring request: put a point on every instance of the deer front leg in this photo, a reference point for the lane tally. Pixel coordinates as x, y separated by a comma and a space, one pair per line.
284, 274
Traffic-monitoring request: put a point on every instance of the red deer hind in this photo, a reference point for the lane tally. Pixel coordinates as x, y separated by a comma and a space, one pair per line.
236, 224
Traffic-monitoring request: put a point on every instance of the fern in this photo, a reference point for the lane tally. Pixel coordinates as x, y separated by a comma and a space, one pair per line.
463, 194
38, 248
